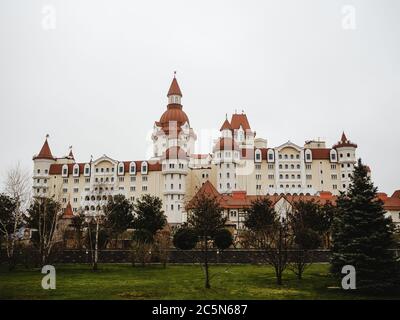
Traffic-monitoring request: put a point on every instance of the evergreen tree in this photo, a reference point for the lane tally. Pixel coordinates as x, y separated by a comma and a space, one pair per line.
148, 220
148, 214
118, 216
362, 235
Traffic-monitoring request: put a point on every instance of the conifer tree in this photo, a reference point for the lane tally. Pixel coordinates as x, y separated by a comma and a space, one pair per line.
362, 235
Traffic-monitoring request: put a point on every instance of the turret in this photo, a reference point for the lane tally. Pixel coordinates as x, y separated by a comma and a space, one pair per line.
226, 129
226, 157
243, 134
175, 170
346, 153
41, 169
173, 129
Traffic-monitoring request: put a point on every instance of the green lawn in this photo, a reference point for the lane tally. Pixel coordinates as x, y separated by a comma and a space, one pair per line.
118, 281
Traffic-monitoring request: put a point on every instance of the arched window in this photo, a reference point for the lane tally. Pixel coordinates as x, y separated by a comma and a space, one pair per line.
257, 155
76, 170
64, 170
87, 170
120, 169
333, 155
308, 155
144, 168
271, 155
132, 168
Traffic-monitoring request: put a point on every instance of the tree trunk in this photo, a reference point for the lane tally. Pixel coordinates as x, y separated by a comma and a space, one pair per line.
96, 248
300, 274
279, 279
207, 280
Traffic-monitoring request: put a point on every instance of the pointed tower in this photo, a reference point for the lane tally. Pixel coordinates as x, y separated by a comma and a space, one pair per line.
174, 93
346, 153
68, 213
243, 134
226, 129
173, 129
45, 152
226, 158
41, 169
71, 155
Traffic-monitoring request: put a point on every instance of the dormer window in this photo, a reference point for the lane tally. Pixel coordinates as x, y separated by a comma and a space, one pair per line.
333, 155
132, 167
258, 157
308, 155
271, 155
76, 170
120, 168
144, 168
65, 170
87, 170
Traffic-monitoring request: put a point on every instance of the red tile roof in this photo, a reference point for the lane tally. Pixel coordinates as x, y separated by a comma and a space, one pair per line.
151, 165
174, 88
56, 168
206, 189
240, 120
396, 194
174, 113
226, 125
68, 214
240, 200
45, 152
344, 142
320, 154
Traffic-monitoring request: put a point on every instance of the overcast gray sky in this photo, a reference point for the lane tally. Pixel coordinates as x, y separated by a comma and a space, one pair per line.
96, 77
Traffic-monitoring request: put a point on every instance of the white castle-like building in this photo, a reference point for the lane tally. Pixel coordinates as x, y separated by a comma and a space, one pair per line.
238, 162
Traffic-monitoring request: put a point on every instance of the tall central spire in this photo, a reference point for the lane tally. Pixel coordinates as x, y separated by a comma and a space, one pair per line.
174, 89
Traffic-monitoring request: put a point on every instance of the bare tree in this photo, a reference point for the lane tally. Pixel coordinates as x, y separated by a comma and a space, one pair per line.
18, 188
44, 216
267, 231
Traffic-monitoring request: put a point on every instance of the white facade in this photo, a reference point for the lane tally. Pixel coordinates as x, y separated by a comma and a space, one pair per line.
238, 162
